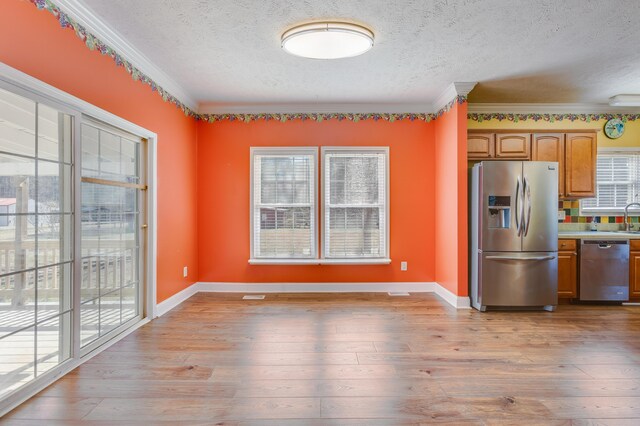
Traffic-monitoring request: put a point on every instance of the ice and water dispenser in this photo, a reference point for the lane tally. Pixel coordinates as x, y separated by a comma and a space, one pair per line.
499, 211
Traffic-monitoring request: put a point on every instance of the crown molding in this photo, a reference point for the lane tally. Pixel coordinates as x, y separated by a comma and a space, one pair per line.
453, 91
315, 108
549, 108
94, 24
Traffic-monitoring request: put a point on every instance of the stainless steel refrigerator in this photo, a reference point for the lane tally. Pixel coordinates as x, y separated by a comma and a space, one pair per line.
514, 234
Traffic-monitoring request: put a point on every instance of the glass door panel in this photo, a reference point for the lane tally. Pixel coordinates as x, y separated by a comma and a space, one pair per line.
36, 239
112, 190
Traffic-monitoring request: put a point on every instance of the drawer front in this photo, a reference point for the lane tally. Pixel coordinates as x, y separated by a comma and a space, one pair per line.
569, 245
634, 244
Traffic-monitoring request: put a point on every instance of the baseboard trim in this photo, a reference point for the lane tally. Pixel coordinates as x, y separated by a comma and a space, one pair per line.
173, 301
458, 302
415, 287
220, 287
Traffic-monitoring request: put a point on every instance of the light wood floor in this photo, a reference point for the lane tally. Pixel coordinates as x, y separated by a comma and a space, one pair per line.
356, 359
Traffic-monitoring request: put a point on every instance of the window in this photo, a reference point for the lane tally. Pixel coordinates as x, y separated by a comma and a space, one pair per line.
284, 203
617, 183
355, 203
284, 207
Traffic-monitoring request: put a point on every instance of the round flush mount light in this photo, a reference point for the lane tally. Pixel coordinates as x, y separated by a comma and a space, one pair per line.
327, 40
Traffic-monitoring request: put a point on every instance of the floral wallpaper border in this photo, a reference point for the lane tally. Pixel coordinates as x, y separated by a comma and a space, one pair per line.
480, 117
355, 117
94, 43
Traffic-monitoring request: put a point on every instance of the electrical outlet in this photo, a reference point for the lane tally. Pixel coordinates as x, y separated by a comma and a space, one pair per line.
403, 266
185, 272
562, 215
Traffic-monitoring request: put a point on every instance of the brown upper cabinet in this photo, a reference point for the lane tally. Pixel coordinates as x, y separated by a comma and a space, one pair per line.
574, 151
550, 147
480, 145
513, 146
580, 154
503, 146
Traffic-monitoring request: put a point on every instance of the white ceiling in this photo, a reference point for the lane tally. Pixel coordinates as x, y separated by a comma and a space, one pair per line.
226, 53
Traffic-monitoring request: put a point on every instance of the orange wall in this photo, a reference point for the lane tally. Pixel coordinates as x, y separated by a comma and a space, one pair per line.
451, 192
33, 42
223, 203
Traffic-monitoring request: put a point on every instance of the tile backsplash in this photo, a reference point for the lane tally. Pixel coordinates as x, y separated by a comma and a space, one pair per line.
572, 215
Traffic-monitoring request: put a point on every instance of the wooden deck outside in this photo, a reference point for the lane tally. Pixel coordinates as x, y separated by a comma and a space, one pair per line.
365, 359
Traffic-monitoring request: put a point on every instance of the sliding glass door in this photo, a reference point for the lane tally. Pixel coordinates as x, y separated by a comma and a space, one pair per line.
36, 239
112, 202
72, 237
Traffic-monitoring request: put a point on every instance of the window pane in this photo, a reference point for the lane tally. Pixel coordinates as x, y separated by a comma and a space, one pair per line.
283, 189
18, 300
617, 182
355, 179
17, 183
109, 312
130, 154
54, 187
354, 232
17, 124
285, 232
90, 151
362, 181
17, 243
89, 322
109, 156
54, 134
51, 349
54, 290
17, 353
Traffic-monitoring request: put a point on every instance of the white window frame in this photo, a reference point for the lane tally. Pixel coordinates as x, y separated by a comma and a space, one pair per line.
284, 151
618, 211
384, 256
319, 191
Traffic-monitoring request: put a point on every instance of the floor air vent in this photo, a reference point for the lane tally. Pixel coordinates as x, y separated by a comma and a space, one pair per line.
398, 293
253, 297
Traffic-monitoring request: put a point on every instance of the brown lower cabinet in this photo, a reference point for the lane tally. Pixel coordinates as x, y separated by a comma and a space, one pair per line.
568, 269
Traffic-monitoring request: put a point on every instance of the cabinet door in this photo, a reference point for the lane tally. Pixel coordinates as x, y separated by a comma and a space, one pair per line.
480, 145
513, 146
550, 147
580, 165
634, 275
567, 272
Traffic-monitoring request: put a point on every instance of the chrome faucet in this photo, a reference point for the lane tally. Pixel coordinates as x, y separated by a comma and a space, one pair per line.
627, 226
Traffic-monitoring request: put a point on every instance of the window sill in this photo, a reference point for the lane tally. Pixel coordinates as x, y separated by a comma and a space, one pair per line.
319, 261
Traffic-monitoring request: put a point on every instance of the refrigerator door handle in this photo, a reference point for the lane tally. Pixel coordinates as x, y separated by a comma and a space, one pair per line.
518, 213
520, 258
526, 191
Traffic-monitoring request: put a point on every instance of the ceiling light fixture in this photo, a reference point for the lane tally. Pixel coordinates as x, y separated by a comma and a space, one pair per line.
625, 100
327, 40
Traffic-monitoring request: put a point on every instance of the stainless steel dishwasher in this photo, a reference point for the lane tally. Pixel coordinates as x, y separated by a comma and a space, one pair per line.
604, 270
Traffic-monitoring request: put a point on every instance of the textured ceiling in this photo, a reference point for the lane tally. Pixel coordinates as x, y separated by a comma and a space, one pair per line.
228, 51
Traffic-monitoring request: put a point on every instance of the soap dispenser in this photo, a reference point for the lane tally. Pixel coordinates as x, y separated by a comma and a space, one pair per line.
593, 224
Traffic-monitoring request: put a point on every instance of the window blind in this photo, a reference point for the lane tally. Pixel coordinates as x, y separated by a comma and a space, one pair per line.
617, 183
355, 203
283, 204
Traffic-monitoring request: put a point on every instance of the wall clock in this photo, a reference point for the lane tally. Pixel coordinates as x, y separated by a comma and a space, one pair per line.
614, 128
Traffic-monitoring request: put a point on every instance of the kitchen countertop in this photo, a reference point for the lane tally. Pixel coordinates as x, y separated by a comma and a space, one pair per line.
599, 235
